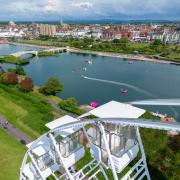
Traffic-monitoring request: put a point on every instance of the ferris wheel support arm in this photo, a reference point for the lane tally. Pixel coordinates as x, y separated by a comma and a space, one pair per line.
60, 156
90, 143
35, 165
143, 153
101, 127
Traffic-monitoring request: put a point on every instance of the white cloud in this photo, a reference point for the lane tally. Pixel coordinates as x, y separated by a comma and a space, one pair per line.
90, 8
53, 6
83, 5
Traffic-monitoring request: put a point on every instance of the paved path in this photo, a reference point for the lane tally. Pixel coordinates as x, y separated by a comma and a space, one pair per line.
12, 130
18, 134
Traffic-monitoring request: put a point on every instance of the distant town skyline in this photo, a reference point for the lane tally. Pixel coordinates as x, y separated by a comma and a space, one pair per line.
53, 10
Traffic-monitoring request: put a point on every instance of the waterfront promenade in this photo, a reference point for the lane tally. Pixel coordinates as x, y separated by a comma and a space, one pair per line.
107, 54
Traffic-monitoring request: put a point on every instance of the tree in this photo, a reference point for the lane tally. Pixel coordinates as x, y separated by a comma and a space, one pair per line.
116, 41
51, 87
88, 40
157, 42
11, 70
19, 70
10, 78
124, 40
71, 101
26, 84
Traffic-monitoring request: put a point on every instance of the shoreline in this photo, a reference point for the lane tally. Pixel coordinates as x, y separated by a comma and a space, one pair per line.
29, 45
107, 54
120, 56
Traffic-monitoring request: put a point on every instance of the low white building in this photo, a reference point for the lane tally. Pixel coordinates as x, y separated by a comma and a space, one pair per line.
64, 34
97, 34
157, 35
172, 37
10, 34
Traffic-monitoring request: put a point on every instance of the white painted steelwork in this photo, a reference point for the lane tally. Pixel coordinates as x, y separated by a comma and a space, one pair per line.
154, 124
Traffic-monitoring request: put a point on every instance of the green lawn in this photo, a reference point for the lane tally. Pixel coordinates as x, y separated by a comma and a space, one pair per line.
12, 153
174, 56
13, 60
27, 111
45, 53
44, 43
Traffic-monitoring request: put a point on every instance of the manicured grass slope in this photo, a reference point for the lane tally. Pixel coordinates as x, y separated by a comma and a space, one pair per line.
27, 111
12, 153
44, 53
13, 60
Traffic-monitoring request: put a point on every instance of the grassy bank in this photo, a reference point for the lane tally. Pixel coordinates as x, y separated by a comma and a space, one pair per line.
44, 43
174, 56
45, 53
70, 105
12, 153
27, 111
13, 60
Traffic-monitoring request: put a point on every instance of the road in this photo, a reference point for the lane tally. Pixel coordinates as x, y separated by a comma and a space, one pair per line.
12, 130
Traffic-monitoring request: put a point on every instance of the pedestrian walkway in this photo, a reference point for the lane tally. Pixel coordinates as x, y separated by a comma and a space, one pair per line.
12, 130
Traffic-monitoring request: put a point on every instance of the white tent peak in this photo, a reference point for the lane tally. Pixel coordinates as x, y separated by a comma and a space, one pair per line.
114, 109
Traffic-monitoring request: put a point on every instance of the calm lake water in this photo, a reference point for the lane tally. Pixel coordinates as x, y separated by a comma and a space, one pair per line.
144, 80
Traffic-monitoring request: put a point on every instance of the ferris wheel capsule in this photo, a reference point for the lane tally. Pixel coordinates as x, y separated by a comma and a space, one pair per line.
111, 140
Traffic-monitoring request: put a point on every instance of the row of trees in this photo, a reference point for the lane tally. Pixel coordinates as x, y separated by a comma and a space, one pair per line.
18, 70
25, 84
51, 87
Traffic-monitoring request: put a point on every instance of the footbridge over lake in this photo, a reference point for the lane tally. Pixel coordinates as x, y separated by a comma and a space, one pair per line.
35, 53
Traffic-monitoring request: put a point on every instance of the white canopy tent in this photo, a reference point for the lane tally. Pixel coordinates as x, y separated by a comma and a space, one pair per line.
114, 109
61, 121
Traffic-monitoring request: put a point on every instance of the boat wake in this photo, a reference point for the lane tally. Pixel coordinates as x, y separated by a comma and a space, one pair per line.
121, 84
167, 102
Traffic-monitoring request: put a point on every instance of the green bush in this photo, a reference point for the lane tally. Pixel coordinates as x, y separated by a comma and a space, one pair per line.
45, 53
19, 70
70, 105
51, 87
13, 60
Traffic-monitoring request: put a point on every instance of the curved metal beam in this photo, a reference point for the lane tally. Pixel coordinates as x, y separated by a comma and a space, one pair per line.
142, 123
157, 102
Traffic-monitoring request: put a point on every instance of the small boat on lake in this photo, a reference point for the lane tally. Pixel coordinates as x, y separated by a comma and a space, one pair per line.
84, 69
124, 91
130, 62
94, 104
88, 61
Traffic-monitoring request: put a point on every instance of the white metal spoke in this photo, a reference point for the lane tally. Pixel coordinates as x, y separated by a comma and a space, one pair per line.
60, 156
101, 127
35, 165
143, 153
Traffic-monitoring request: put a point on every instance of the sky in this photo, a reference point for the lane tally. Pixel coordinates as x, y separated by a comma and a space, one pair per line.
53, 10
